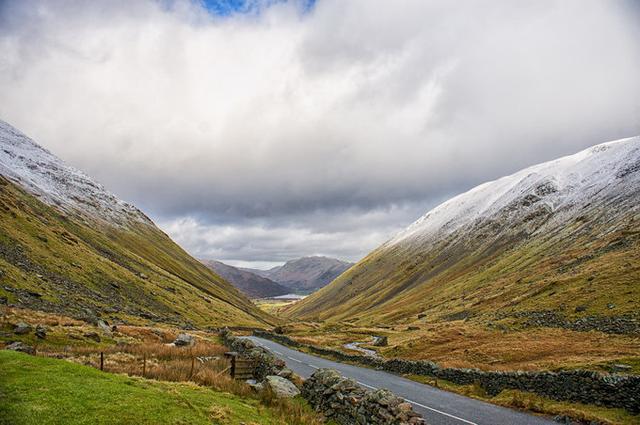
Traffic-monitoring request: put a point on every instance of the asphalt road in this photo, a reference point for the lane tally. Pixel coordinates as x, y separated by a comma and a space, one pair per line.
438, 407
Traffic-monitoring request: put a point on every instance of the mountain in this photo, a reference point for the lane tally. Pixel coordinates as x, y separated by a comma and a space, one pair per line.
305, 274
251, 284
69, 246
559, 240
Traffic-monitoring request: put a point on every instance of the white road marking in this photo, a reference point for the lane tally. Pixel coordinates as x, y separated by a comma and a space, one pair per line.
441, 412
410, 401
365, 385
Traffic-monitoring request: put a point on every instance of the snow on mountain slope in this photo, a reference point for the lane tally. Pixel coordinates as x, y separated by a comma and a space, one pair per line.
569, 180
531, 241
51, 180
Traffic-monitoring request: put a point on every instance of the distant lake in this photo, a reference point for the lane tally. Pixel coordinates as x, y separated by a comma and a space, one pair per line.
289, 297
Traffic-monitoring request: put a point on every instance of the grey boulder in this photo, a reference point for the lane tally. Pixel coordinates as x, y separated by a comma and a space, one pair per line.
255, 385
104, 326
22, 328
380, 341
41, 332
21, 347
281, 387
184, 340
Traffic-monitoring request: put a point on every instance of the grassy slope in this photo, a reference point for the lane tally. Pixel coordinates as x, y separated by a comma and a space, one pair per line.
42, 391
74, 265
576, 266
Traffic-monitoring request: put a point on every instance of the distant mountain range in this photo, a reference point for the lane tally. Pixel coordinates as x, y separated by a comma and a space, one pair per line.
555, 243
306, 274
251, 284
69, 246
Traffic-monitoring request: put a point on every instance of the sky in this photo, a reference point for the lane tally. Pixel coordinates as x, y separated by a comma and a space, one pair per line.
258, 131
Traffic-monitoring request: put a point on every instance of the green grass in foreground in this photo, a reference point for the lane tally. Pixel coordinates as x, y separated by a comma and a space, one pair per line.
38, 390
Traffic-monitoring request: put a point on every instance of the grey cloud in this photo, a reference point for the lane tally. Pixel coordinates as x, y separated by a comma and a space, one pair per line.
273, 136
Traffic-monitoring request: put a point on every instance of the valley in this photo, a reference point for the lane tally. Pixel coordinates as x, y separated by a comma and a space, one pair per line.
535, 272
319, 212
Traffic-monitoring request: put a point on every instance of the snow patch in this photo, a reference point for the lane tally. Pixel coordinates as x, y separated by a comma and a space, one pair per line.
571, 180
47, 177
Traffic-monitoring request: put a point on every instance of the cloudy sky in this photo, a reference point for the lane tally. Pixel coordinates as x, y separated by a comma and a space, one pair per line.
260, 131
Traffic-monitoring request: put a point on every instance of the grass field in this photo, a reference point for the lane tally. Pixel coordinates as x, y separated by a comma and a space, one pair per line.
43, 391
200, 372
271, 306
467, 344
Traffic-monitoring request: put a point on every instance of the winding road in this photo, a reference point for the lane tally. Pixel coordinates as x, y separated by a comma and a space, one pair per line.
438, 407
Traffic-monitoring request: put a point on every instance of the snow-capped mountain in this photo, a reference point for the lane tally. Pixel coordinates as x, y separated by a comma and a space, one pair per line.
555, 187
51, 180
69, 246
562, 233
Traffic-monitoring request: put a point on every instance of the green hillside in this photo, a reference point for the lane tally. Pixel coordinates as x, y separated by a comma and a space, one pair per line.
70, 264
554, 272
557, 244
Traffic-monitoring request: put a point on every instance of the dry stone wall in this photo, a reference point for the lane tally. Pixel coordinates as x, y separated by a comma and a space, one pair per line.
327, 391
266, 363
622, 391
344, 401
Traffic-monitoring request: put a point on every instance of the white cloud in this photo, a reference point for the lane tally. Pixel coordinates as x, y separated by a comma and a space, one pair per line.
273, 128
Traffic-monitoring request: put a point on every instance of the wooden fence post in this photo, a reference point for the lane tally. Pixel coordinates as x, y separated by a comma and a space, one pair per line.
193, 363
232, 356
101, 360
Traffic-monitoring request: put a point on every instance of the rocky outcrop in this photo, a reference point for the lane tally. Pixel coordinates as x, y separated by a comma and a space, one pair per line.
344, 401
576, 385
21, 347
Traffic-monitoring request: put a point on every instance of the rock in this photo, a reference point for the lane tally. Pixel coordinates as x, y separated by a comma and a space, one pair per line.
21, 347
143, 276
102, 324
619, 367
343, 400
422, 316
255, 385
41, 332
380, 341
285, 373
580, 308
92, 335
611, 306
413, 328
148, 315
281, 387
4, 300
22, 328
183, 340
